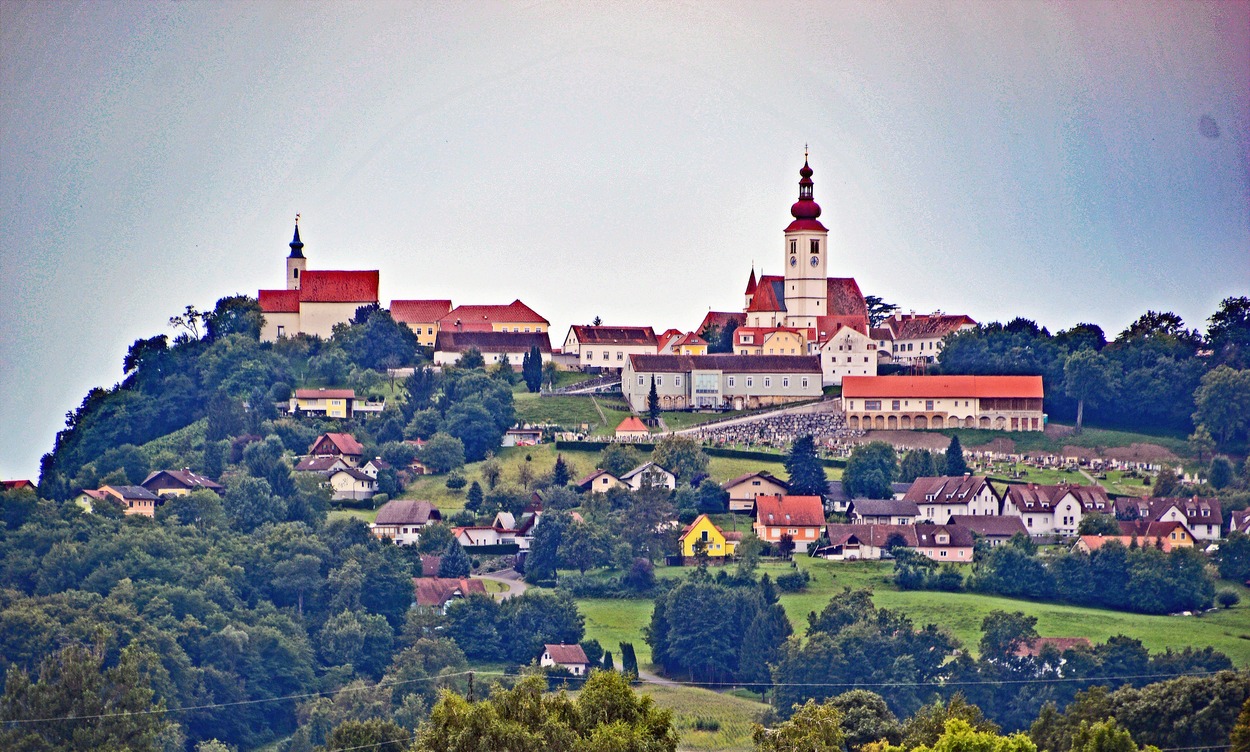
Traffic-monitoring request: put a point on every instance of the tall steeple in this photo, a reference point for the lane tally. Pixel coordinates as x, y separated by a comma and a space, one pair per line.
297, 247
806, 249
751, 284
296, 264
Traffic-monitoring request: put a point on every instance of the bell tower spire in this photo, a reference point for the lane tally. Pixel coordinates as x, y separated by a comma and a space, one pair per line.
806, 259
296, 264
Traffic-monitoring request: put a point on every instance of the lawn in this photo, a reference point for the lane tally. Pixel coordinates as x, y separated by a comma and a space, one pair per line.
1228, 631
677, 421
1041, 442
599, 414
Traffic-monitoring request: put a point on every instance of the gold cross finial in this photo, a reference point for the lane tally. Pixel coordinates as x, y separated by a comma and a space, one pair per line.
297, 219
804, 152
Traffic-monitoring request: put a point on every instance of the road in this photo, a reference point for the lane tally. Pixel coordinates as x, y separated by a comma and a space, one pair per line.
509, 578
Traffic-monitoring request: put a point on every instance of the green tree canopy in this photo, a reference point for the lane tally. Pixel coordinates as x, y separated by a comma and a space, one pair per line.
806, 471
870, 470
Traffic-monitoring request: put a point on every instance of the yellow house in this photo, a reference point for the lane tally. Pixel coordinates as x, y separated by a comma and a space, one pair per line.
769, 341
690, 344
715, 542
334, 403
421, 316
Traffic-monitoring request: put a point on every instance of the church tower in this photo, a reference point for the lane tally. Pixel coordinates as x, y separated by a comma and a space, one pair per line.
296, 264
807, 250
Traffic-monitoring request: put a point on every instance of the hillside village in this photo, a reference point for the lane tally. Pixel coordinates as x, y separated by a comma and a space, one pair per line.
307, 490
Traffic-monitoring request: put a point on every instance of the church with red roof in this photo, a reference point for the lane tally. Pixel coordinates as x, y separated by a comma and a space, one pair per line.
314, 300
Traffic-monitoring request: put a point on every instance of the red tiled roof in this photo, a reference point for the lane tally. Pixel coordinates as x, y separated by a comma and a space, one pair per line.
992, 525
344, 442
567, 654
930, 387
870, 534
845, 299
924, 326
491, 342
419, 311
615, 335
770, 295
1095, 542
13, 485
1033, 648
312, 394
751, 285
762, 474
279, 301
720, 318
469, 318
430, 565
803, 364
339, 287
1148, 529
789, 510
632, 423
1030, 497
436, 591
691, 339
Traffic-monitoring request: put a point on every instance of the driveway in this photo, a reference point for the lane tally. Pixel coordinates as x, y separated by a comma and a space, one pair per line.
509, 578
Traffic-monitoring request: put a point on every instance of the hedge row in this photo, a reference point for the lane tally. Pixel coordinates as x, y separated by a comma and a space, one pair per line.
739, 454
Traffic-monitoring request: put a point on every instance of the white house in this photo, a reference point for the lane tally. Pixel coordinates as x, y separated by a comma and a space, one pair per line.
940, 498
649, 475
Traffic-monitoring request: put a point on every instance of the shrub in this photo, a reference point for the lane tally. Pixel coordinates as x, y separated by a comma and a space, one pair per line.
1228, 598
706, 724
456, 481
793, 582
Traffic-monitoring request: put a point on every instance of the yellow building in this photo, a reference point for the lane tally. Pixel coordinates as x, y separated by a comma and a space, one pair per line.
333, 403
421, 316
769, 341
702, 533
513, 317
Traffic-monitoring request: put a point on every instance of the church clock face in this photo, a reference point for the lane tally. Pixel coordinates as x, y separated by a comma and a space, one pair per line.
793, 260
815, 260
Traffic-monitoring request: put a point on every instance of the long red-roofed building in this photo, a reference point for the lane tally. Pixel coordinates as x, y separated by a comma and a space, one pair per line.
513, 317
314, 301
1003, 403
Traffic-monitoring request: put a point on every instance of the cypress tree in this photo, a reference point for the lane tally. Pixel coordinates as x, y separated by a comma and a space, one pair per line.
455, 562
607, 664
475, 497
560, 473
955, 464
807, 474
653, 403
629, 660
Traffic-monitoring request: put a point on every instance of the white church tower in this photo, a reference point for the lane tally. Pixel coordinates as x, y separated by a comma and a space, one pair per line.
807, 252
296, 264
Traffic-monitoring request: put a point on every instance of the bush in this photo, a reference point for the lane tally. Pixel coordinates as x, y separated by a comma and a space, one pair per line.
378, 500
456, 481
1227, 598
793, 582
706, 724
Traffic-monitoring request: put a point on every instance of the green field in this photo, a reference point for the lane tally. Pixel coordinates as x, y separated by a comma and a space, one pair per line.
1092, 438
734, 714
1227, 631
571, 412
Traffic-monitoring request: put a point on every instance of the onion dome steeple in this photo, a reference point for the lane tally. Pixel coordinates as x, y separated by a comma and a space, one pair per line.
805, 211
297, 247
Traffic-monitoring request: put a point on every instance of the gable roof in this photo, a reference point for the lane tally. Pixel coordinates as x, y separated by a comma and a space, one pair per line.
1155, 507
1095, 542
345, 443
320, 464
1020, 387
436, 591
947, 489
587, 480
959, 537
762, 474
643, 468
991, 526
567, 654
770, 295
184, 478
845, 299
801, 364
1030, 497
685, 531
339, 287
615, 335
926, 326
1149, 529
407, 512
632, 424
805, 511
870, 535
720, 318
689, 339
430, 565
278, 301
355, 473
127, 493
419, 311
494, 342
470, 318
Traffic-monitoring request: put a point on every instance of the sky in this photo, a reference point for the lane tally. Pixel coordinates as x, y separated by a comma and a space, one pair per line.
1066, 162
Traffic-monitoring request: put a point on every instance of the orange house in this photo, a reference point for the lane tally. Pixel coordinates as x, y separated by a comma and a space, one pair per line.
800, 517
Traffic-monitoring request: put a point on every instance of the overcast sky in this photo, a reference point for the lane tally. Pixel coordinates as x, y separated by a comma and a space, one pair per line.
1066, 162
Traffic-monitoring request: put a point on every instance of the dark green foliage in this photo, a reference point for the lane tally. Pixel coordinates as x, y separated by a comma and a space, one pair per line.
237, 314
1227, 598
794, 581
629, 660
443, 453
917, 463
516, 629
866, 718
1228, 334
377, 343
1233, 558
544, 553
807, 473
870, 471
373, 734
560, 472
471, 359
1221, 474
607, 664
712, 499
1088, 376
1098, 524
1144, 580
455, 562
532, 369
851, 642
955, 463
473, 499
619, 459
